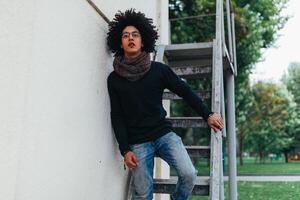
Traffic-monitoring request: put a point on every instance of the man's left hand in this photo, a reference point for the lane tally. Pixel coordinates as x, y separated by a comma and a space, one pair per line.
215, 122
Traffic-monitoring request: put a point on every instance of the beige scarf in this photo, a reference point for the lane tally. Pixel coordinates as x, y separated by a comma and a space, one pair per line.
132, 69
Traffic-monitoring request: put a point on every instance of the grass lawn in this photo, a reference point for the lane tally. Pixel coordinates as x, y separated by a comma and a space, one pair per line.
269, 167
252, 167
263, 191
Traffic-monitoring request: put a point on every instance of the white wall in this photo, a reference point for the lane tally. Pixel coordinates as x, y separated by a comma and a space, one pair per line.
56, 139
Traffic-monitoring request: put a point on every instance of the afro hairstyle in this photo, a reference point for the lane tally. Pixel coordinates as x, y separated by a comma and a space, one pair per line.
131, 18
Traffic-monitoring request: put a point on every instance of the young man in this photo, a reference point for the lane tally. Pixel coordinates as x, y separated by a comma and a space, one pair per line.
138, 118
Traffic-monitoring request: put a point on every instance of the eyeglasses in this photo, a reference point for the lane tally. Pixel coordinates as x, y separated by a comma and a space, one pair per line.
134, 34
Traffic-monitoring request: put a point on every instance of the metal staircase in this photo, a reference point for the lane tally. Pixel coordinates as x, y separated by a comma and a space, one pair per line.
215, 61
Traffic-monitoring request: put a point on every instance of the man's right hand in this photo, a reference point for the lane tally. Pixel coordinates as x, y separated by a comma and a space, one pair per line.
215, 121
130, 160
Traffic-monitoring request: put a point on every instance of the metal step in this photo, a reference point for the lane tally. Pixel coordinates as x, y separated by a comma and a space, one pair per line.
189, 51
172, 96
186, 122
196, 151
199, 62
167, 186
193, 71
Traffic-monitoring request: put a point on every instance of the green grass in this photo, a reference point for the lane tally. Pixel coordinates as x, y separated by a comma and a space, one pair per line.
252, 167
270, 168
263, 191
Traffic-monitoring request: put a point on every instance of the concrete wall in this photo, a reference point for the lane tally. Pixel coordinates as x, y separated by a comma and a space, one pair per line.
56, 139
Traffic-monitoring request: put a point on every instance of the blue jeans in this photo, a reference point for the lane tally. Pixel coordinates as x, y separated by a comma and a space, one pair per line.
171, 149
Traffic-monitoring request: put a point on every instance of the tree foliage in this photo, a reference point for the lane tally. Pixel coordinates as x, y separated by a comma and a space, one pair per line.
271, 114
292, 82
244, 102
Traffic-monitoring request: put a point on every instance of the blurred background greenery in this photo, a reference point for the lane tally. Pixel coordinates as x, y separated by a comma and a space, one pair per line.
267, 113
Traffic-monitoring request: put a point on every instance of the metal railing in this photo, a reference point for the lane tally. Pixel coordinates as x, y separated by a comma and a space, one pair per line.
218, 105
98, 11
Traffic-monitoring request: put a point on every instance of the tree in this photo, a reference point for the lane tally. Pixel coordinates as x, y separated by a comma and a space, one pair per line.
244, 102
272, 112
292, 82
257, 25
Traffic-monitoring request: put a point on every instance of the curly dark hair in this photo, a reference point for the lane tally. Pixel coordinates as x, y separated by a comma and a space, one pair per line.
139, 21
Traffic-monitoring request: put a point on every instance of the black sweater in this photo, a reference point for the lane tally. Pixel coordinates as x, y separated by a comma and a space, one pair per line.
137, 113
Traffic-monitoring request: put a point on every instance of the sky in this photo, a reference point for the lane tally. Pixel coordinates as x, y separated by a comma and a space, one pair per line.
276, 60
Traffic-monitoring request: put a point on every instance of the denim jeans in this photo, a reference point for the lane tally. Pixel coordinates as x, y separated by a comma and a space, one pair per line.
171, 149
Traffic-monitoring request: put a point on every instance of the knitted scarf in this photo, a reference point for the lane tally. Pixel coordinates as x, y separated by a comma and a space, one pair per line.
132, 69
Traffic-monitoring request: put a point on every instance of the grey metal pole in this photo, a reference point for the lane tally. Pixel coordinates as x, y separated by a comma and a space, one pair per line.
231, 136
228, 14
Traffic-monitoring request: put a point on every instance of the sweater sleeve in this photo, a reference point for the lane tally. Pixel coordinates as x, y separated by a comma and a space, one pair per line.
174, 83
117, 119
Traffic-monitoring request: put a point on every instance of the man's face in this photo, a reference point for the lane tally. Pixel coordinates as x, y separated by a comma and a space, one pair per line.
131, 42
